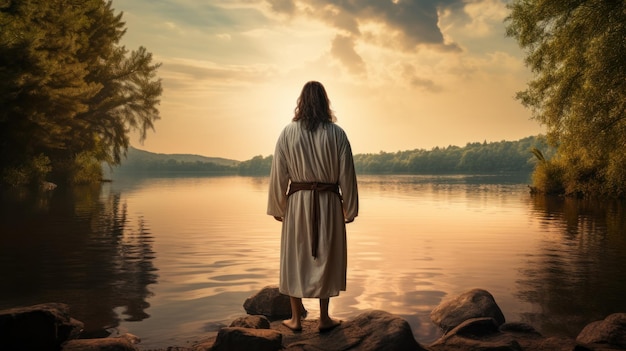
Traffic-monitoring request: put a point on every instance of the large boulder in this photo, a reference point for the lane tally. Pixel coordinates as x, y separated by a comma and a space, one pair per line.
38, 327
245, 339
611, 331
271, 303
383, 332
369, 331
254, 322
475, 303
483, 334
122, 343
476, 334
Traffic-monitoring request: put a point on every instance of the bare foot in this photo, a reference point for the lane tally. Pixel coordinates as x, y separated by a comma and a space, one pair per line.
293, 324
329, 324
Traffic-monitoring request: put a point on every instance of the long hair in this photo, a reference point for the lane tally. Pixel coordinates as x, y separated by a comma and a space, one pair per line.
313, 106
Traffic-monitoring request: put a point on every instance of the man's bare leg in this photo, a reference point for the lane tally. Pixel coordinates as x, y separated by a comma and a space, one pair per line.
296, 314
326, 323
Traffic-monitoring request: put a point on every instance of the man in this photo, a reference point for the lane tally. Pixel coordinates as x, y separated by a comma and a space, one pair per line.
313, 192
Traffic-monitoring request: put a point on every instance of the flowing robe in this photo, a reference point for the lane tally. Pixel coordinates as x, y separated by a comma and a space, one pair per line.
324, 156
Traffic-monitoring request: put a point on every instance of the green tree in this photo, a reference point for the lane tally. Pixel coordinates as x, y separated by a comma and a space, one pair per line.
577, 52
69, 91
258, 165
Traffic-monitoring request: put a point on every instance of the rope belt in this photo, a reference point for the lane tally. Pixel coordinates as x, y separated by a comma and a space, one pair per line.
316, 188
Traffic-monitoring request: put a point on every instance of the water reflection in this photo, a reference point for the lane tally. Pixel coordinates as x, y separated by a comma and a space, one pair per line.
577, 274
76, 246
554, 263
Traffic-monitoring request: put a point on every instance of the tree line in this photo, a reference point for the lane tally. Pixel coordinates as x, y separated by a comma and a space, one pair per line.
486, 158
493, 157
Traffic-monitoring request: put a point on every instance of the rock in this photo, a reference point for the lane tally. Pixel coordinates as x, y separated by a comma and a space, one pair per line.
49, 327
476, 327
369, 331
547, 344
495, 343
38, 327
311, 339
476, 303
254, 322
271, 303
383, 331
610, 332
595, 347
244, 339
519, 328
103, 344
477, 334
487, 331
482, 334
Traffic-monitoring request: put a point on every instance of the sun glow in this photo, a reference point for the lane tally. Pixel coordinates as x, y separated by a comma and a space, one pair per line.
232, 74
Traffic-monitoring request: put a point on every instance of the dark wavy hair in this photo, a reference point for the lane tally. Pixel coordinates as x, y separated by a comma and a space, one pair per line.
313, 106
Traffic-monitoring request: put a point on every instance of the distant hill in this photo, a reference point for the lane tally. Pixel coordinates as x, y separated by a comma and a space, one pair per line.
140, 156
140, 162
473, 158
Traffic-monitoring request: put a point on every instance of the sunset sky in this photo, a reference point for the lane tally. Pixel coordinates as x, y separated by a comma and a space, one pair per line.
400, 74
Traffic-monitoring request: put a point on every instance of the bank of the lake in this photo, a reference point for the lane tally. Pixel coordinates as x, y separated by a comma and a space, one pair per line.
470, 321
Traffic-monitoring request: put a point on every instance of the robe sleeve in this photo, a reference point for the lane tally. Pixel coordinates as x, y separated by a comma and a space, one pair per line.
279, 180
347, 181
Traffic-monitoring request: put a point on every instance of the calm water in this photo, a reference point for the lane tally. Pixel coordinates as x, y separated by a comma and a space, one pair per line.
173, 259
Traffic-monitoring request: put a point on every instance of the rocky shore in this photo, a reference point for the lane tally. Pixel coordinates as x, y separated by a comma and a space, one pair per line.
470, 321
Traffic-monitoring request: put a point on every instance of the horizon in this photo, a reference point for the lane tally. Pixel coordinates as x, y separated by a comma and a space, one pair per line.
399, 75
362, 153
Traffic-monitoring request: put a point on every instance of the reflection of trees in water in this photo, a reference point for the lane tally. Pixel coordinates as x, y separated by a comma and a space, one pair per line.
259, 183
576, 276
131, 257
81, 248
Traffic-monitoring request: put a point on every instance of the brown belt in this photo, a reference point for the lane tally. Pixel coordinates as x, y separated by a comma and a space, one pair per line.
316, 188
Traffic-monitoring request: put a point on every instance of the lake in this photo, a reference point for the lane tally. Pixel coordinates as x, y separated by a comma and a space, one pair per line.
172, 259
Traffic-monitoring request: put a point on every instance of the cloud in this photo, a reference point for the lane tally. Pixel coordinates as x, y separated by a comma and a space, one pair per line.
174, 28
407, 23
283, 6
186, 75
417, 81
368, 36
343, 50
198, 14
483, 15
336, 17
415, 20
243, 41
424, 84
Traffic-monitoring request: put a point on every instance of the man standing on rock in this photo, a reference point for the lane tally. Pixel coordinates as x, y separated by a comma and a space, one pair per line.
313, 192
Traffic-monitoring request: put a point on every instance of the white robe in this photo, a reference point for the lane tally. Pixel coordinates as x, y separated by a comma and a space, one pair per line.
324, 156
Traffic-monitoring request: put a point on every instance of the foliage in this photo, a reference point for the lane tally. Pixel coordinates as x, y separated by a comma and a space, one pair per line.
487, 158
256, 165
68, 89
548, 175
577, 52
495, 157
35, 169
87, 169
